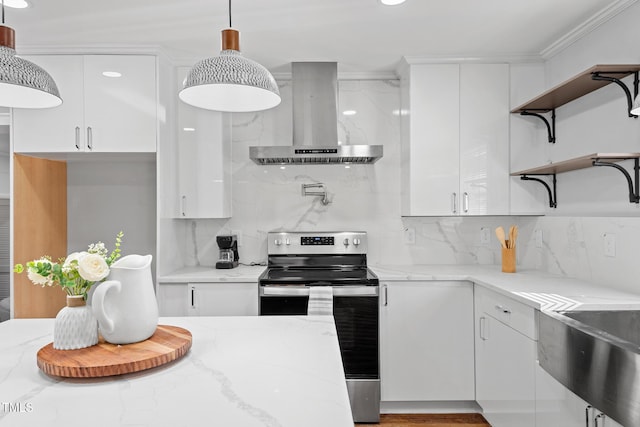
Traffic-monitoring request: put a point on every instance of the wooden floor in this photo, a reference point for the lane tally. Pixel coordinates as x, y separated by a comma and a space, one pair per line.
431, 420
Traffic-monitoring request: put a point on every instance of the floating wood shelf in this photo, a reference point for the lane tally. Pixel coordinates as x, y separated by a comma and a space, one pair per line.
586, 82
575, 87
590, 160
581, 162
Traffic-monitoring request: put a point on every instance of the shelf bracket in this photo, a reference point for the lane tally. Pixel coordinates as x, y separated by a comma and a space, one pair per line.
634, 190
551, 127
598, 75
553, 196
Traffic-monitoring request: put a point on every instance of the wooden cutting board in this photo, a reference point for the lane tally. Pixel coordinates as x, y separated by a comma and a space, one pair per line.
167, 344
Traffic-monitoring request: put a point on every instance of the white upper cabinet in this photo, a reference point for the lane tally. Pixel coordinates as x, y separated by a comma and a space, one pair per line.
204, 160
99, 113
455, 139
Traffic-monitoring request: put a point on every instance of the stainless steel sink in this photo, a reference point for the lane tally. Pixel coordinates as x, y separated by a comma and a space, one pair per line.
595, 354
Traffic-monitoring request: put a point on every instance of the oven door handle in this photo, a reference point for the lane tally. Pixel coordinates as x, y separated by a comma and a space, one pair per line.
342, 291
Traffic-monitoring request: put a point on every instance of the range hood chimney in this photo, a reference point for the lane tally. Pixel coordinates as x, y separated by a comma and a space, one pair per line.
315, 123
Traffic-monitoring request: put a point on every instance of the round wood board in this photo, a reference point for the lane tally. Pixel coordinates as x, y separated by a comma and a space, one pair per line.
167, 344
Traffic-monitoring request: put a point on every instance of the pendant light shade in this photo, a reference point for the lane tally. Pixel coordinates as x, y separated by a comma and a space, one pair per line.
230, 82
23, 84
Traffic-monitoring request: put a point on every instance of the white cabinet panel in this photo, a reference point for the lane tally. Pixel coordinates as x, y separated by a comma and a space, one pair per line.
455, 139
98, 113
204, 161
57, 129
505, 368
172, 299
120, 112
484, 139
223, 299
556, 405
427, 341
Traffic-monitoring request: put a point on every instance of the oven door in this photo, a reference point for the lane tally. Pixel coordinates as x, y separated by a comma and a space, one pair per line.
355, 312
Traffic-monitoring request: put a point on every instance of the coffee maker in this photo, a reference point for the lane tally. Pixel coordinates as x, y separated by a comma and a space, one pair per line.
228, 255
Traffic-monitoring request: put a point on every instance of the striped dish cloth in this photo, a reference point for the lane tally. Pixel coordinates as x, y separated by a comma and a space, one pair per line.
320, 301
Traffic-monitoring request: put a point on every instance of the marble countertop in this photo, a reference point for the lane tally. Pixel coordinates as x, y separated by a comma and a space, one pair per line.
242, 273
537, 289
241, 371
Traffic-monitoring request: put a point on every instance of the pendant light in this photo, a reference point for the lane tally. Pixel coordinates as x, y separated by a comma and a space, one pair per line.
230, 82
23, 84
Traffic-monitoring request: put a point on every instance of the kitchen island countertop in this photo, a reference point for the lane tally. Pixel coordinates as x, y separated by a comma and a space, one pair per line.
241, 371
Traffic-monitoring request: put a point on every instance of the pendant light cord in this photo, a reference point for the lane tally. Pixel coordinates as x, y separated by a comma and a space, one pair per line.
230, 26
3, 11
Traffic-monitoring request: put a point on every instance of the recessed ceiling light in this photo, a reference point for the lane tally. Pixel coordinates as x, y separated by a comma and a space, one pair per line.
391, 2
16, 4
111, 74
349, 112
189, 129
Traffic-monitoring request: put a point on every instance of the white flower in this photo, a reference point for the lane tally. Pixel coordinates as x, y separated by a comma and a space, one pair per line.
38, 279
35, 277
75, 256
93, 267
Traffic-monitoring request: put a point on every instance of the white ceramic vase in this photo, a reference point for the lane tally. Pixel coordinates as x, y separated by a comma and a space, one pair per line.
75, 325
125, 305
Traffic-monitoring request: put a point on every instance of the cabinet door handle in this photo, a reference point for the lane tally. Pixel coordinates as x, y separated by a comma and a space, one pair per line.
454, 203
503, 309
483, 329
193, 297
89, 138
386, 295
183, 203
597, 417
587, 415
465, 202
77, 137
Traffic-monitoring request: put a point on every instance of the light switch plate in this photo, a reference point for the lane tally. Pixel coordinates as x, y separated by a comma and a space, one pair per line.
485, 236
410, 236
609, 244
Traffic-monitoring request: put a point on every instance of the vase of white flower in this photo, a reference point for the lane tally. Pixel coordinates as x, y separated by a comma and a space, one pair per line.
75, 326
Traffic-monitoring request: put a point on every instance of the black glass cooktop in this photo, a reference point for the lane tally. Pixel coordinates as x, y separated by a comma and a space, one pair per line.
330, 276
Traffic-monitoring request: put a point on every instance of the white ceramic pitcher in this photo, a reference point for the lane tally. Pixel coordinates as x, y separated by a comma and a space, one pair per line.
126, 305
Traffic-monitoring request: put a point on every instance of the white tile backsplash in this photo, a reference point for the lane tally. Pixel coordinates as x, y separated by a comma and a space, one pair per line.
367, 197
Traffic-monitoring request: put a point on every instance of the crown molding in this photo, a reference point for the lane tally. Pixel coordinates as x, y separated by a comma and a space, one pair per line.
586, 27
156, 50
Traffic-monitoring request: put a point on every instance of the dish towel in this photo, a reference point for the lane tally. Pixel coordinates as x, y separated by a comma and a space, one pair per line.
320, 301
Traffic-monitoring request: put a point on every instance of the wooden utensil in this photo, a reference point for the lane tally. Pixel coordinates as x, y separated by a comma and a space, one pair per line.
514, 236
501, 237
511, 242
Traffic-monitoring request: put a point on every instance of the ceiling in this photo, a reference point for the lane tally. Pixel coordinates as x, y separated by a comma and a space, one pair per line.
361, 35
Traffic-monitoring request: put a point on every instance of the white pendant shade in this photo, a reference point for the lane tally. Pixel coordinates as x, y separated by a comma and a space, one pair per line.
230, 82
23, 84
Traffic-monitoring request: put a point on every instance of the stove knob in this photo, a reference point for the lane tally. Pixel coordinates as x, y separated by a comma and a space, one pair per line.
356, 241
287, 242
346, 242
277, 242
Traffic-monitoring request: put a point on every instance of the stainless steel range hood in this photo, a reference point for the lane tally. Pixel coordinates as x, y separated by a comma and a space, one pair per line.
315, 123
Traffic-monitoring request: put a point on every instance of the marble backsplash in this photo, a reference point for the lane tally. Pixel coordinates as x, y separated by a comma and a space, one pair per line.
367, 197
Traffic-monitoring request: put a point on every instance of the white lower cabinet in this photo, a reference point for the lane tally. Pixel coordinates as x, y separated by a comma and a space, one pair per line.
222, 299
557, 406
208, 299
505, 359
426, 348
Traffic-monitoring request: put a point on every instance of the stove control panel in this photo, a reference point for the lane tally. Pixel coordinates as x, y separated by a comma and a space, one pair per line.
300, 242
317, 240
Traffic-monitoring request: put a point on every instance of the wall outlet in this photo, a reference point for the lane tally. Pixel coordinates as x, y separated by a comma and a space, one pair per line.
485, 236
239, 234
539, 240
410, 236
609, 245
